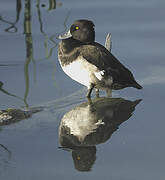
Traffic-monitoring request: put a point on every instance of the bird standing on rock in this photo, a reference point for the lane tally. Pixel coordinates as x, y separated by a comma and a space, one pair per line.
90, 63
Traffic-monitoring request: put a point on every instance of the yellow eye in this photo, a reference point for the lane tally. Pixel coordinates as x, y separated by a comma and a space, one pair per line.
76, 27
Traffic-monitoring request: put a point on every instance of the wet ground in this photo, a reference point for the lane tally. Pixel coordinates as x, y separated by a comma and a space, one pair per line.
30, 76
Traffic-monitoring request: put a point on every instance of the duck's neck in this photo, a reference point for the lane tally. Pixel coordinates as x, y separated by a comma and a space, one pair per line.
68, 51
69, 44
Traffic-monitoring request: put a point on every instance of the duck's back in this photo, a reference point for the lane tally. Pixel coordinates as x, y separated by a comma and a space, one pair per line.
99, 56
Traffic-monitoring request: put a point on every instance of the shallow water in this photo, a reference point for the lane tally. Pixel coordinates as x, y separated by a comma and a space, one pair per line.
30, 76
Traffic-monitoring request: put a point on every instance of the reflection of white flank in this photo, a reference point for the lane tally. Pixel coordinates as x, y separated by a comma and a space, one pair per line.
81, 122
156, 75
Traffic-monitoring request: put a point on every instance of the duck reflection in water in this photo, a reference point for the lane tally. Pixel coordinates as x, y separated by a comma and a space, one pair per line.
89, 124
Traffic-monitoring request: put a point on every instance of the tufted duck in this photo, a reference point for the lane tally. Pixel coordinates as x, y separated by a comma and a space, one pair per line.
90, 63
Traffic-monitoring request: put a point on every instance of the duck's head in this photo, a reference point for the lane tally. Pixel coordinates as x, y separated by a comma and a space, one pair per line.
82, 30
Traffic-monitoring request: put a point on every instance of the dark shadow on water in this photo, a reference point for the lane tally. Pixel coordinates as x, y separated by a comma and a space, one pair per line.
12, 28
90, 124
8, 93
6, 149
5, 157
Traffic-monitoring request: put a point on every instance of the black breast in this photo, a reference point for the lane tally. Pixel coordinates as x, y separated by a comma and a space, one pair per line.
68, 51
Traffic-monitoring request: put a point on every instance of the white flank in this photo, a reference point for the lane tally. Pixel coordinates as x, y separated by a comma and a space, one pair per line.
80, 71
85, 73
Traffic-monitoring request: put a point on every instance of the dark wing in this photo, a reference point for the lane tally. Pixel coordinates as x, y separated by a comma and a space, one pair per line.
99, 56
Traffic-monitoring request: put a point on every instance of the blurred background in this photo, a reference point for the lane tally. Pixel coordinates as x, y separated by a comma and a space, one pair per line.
30, 76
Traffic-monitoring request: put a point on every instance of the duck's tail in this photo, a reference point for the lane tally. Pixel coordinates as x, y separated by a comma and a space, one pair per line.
136, 85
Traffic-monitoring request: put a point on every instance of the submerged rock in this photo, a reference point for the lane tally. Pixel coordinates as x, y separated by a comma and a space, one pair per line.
10, 116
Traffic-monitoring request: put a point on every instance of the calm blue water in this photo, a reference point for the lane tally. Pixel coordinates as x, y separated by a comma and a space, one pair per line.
30, 76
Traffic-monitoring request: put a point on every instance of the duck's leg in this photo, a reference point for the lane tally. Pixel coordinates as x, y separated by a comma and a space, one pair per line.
90, 88
97, 93
109, 92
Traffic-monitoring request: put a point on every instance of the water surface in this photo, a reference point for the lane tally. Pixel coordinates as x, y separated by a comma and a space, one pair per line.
30, 76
